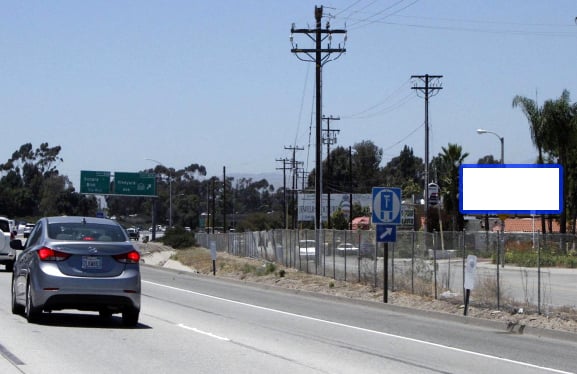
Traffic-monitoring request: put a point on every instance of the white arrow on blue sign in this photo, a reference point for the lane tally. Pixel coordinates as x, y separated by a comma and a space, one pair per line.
387, 205
386, 233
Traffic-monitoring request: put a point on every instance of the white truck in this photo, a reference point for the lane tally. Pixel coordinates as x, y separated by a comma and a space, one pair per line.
7, 254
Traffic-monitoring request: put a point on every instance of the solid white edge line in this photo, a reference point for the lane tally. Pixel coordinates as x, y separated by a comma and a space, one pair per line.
364, 330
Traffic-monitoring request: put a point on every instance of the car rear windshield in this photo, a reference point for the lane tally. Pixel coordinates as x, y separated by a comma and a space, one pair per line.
86, 231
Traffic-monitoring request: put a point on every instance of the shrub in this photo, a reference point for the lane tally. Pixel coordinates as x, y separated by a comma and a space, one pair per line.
178, 238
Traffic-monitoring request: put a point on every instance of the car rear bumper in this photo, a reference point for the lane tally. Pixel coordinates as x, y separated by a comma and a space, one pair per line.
10, 257
56, 291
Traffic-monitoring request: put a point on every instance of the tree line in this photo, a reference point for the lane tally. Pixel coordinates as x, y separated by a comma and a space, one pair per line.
31, 185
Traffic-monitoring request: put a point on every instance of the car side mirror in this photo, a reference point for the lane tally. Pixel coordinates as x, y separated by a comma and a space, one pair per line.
16, 244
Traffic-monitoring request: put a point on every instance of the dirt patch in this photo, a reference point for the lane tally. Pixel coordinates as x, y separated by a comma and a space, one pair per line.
257, 271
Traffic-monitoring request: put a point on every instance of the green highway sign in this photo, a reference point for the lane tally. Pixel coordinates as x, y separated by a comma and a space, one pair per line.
135, 184
94, 182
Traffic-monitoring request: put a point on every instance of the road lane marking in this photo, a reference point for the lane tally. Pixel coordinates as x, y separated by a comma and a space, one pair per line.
203, 332
424, 342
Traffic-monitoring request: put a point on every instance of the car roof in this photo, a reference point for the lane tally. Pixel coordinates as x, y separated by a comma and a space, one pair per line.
71, 219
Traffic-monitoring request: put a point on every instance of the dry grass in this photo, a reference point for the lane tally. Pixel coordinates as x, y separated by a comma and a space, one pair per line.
259, 271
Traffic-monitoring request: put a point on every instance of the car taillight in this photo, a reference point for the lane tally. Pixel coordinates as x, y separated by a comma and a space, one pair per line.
132, 257
49, 254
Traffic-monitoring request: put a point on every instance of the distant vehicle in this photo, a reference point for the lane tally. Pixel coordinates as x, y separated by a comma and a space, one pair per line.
13, 228
7, 254
133, 233
347, 249
28, 229
307, 249
83, 263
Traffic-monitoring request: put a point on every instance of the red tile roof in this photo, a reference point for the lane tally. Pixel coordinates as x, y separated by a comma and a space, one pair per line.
521, 224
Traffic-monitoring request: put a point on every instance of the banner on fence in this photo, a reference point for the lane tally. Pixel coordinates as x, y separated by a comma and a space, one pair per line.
306, 204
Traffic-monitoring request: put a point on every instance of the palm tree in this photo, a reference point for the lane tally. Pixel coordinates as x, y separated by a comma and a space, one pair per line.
560, 137
451, 159
534, 115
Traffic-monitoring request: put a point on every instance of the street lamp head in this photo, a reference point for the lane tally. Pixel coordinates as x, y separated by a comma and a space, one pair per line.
481, 131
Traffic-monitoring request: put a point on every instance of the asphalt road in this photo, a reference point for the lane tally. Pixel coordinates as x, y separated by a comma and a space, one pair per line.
191, 323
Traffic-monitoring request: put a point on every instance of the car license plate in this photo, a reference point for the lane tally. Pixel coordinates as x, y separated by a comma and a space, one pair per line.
91, 262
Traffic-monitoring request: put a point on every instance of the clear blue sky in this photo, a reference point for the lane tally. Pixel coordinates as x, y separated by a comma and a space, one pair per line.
215, 83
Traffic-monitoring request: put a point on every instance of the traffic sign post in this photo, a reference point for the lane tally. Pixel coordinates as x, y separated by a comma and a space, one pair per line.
94, 182
386, 233
387, 205
386, 215
135, 184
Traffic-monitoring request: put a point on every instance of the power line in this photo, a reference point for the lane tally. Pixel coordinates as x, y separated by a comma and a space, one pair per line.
368, 21
380, 103
449, 24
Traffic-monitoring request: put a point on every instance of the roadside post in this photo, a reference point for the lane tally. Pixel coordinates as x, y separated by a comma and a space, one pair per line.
213, 255
469, 281
386, 215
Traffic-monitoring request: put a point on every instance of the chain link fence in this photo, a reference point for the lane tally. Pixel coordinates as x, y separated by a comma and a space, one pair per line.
427, 264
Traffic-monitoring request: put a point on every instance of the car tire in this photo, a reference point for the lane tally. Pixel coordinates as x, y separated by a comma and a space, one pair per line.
10, 267
130, 317
32, 312
16, 308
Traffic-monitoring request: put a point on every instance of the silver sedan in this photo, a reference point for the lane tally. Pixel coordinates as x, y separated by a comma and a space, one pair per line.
80, 263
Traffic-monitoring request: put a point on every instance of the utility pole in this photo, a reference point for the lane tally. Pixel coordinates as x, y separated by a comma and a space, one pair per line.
330, 138
428, 85
285, 207
294, 169
319, 56
224, 229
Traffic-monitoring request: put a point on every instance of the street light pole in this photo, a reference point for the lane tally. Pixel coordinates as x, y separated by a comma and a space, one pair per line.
169, 190
501, 139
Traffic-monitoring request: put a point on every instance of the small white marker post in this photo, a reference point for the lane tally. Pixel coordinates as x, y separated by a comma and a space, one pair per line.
469, 281
213, 255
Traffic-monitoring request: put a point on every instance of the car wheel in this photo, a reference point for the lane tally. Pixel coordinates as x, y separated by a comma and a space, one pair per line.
31, 311
130, 317
16, 308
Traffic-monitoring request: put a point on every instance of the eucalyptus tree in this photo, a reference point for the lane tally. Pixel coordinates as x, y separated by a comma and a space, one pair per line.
31, 185
366, 166
488, 159
405, 171
366, 170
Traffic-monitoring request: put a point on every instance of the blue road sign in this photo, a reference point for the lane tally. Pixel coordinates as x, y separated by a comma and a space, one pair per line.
386, 233
387, 205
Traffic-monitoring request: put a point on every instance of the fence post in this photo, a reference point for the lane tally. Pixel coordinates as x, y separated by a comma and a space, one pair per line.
413, 262
498, 256
539, 277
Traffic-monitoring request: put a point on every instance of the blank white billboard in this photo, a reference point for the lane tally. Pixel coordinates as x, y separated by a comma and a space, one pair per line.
511, 189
